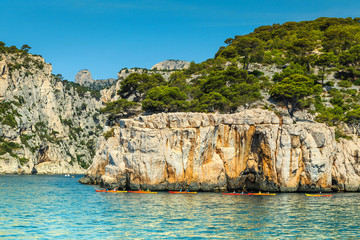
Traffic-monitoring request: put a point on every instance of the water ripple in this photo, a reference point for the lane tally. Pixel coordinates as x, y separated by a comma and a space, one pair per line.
47, 207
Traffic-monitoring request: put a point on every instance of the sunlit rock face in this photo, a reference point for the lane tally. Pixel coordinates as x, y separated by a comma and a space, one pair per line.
83, 77
52, 126
346, 166
253, 149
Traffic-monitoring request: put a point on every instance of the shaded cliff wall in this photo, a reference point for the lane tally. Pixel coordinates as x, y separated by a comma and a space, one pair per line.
211, 152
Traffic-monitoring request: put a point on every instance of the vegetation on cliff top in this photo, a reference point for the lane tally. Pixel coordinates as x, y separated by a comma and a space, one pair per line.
217, 88
321, 42
13, 49
308, 52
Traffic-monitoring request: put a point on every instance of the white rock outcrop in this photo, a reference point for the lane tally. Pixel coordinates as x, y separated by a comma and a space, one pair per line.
171, 65
254, 149
84, 78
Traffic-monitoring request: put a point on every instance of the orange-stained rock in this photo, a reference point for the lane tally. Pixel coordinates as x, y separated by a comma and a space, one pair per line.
213, 152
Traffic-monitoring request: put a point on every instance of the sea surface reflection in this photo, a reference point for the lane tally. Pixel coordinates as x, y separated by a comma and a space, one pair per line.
47, 207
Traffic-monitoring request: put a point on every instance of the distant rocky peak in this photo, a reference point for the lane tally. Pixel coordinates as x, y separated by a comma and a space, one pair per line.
171, 65
83, 77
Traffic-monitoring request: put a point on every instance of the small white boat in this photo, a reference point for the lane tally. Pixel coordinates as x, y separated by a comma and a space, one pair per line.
67, 175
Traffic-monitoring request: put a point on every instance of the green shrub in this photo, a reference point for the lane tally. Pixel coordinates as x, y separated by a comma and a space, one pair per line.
357, 82
351, 92
256, 73
23, 160
81, 162
344, 84
339, 134
24, 139
67, 122
109, 134
8, 147
329, 84
41, 127
5, 106
9, 120
34, 149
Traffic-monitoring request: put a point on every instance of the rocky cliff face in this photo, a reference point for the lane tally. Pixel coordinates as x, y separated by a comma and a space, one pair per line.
211, 152
47, 126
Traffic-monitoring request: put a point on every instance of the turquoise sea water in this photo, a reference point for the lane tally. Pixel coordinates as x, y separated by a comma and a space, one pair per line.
55, 207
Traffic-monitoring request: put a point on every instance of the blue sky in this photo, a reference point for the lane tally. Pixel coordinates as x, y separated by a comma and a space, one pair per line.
107, 35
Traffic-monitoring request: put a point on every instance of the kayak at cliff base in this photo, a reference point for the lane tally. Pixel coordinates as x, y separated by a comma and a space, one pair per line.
251, 194
110, 191
317, 195
143, 192
262, 194
236, 194
102, 190
182, 192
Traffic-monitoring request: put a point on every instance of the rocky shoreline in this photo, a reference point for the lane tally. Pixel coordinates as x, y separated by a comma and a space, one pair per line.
255, 149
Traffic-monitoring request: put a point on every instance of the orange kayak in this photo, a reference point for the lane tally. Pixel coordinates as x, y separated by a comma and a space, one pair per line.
144, 192
236, 194
263, 194
182, 192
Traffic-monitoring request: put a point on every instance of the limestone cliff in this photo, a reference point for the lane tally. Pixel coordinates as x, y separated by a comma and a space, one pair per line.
254, 149
47, 126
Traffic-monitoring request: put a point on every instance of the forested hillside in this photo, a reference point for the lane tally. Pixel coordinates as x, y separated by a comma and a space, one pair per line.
317, 66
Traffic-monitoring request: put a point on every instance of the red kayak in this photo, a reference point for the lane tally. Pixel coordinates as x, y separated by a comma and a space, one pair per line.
236, 194
102, 190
